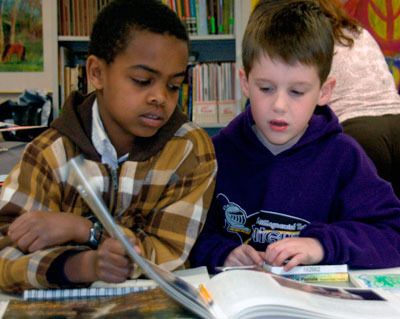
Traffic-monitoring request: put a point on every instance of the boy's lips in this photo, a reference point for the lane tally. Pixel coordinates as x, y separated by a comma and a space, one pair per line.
278, 125
152, 119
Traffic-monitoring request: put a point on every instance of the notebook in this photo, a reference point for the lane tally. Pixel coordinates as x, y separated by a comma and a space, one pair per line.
80, 293
98, 289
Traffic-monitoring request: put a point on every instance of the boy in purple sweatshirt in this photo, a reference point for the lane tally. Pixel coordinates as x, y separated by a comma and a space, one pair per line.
292, 188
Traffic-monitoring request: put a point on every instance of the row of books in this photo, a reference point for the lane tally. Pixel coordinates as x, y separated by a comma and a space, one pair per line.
74, 79
71, 74
76, 17
204, 17
211, 97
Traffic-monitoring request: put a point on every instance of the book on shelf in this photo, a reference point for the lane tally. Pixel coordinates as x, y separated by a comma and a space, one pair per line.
213, 92
201, 17
245, 293
76, 17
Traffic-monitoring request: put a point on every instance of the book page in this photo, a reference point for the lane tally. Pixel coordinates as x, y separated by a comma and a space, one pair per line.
242, 293
3, 307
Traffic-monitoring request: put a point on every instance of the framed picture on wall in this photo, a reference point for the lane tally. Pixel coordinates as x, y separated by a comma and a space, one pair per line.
21, 36
37, 70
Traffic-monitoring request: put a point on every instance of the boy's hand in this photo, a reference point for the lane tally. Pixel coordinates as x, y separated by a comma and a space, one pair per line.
297, 251
112, 263
244, 255
33, 231
108, 263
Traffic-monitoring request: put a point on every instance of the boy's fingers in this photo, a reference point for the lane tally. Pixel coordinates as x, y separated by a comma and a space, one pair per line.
294, 261
25, 241
255, 257
16, 226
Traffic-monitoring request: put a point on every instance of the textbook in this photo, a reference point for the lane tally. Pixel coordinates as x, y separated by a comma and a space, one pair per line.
312, 273
245, 293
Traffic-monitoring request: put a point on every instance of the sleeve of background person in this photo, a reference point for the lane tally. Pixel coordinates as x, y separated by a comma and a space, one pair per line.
364, 84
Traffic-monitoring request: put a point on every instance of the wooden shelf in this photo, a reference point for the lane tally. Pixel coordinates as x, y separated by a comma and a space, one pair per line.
210, 37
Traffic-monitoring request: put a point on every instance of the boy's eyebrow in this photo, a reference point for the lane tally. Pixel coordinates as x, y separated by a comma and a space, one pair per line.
261, 81
151, 70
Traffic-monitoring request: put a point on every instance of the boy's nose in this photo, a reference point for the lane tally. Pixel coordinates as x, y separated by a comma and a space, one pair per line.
280, 103
158, 96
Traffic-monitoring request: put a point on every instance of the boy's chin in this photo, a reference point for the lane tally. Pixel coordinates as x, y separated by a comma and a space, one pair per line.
148, 132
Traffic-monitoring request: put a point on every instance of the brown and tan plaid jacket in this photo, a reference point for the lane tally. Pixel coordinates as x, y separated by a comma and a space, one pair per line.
163, 193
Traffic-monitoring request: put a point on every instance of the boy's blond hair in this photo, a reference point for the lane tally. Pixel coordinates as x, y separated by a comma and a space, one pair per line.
292, 31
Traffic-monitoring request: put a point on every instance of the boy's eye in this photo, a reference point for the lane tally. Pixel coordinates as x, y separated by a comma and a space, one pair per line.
297, 92
174, 87
265, 89
141, 82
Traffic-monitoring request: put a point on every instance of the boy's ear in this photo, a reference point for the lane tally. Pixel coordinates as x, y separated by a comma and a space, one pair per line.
326, 91
244, 83
94, 71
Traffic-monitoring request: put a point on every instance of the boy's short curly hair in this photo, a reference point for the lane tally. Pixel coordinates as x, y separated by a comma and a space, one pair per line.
118, 21
292, 31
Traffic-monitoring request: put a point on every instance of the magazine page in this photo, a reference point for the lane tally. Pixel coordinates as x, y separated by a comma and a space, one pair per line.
248, 294
186, 294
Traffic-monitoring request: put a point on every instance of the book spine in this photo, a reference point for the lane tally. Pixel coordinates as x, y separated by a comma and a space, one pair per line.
338, 277
201, 16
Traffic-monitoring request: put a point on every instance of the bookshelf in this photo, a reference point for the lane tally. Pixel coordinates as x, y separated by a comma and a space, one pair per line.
71, 47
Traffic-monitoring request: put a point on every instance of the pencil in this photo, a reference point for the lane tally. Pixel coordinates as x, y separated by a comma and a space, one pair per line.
205, 294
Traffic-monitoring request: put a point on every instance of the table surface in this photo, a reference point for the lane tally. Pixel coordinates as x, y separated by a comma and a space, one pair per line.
10, 154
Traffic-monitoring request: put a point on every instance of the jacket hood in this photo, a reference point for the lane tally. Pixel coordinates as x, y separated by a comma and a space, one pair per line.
75, 122
240, 134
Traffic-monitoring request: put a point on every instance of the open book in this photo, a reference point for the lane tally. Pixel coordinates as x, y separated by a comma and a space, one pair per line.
247, 293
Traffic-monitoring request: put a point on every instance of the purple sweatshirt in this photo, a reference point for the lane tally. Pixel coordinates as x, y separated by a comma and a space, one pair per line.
323, 187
